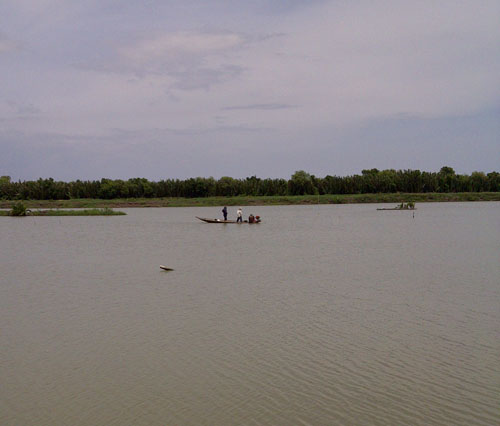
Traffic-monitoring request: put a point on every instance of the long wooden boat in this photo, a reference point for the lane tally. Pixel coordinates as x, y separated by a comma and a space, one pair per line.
402, 206
205, 219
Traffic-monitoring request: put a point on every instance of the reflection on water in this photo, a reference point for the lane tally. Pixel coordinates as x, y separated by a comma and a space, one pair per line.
320, 315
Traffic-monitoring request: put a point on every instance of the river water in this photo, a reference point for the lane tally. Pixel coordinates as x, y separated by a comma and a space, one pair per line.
320, 315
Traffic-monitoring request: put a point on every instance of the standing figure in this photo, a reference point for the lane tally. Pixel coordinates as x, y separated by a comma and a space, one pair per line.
224, 212
239, 219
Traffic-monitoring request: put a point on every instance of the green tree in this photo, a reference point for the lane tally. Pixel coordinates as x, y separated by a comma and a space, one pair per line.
109, 189
7, 188
447, 178
301, 183
493, 181
227, 187
479, 181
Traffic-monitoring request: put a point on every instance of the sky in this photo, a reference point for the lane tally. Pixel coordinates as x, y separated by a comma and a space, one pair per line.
167, 89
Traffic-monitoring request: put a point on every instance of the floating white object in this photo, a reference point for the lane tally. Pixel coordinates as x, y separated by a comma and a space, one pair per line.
165, 268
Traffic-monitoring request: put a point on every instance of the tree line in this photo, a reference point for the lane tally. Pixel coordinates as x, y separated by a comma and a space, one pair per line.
300, 183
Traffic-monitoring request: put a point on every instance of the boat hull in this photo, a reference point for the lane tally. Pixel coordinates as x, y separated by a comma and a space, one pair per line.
207, 220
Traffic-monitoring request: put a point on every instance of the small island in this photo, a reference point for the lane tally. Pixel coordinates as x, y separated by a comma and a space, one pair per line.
20, 210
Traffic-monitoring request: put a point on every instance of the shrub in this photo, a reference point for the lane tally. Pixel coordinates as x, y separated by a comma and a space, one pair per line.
18, 209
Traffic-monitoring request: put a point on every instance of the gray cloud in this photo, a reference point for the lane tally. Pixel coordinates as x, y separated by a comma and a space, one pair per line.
164, 134
316, 85
193, 60
265, 107
7, 45
204, 78
22, 109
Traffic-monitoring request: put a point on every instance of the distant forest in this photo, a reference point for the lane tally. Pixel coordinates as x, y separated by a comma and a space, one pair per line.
300, 183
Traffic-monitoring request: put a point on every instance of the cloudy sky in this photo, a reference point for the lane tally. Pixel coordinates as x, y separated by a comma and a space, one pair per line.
177, 89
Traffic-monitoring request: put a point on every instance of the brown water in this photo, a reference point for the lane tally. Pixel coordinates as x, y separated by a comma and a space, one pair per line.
320, 315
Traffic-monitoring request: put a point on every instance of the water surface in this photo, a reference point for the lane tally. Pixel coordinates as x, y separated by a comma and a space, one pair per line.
320, 315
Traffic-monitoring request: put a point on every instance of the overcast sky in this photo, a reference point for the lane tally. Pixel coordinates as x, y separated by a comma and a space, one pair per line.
177, 89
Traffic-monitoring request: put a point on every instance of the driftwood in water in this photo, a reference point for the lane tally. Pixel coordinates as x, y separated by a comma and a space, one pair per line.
165, 268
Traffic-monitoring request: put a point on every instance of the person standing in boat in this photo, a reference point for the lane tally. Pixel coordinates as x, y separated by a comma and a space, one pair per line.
239, 213
224, 212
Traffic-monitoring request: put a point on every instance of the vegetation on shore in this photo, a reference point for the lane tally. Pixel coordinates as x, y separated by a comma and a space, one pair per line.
19, 209
256, 200
371, 181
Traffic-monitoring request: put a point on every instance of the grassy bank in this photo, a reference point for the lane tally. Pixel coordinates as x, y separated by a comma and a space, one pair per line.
87, 212
256, 201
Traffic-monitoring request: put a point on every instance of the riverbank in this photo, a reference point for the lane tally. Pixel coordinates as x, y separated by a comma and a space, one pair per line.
87, 203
